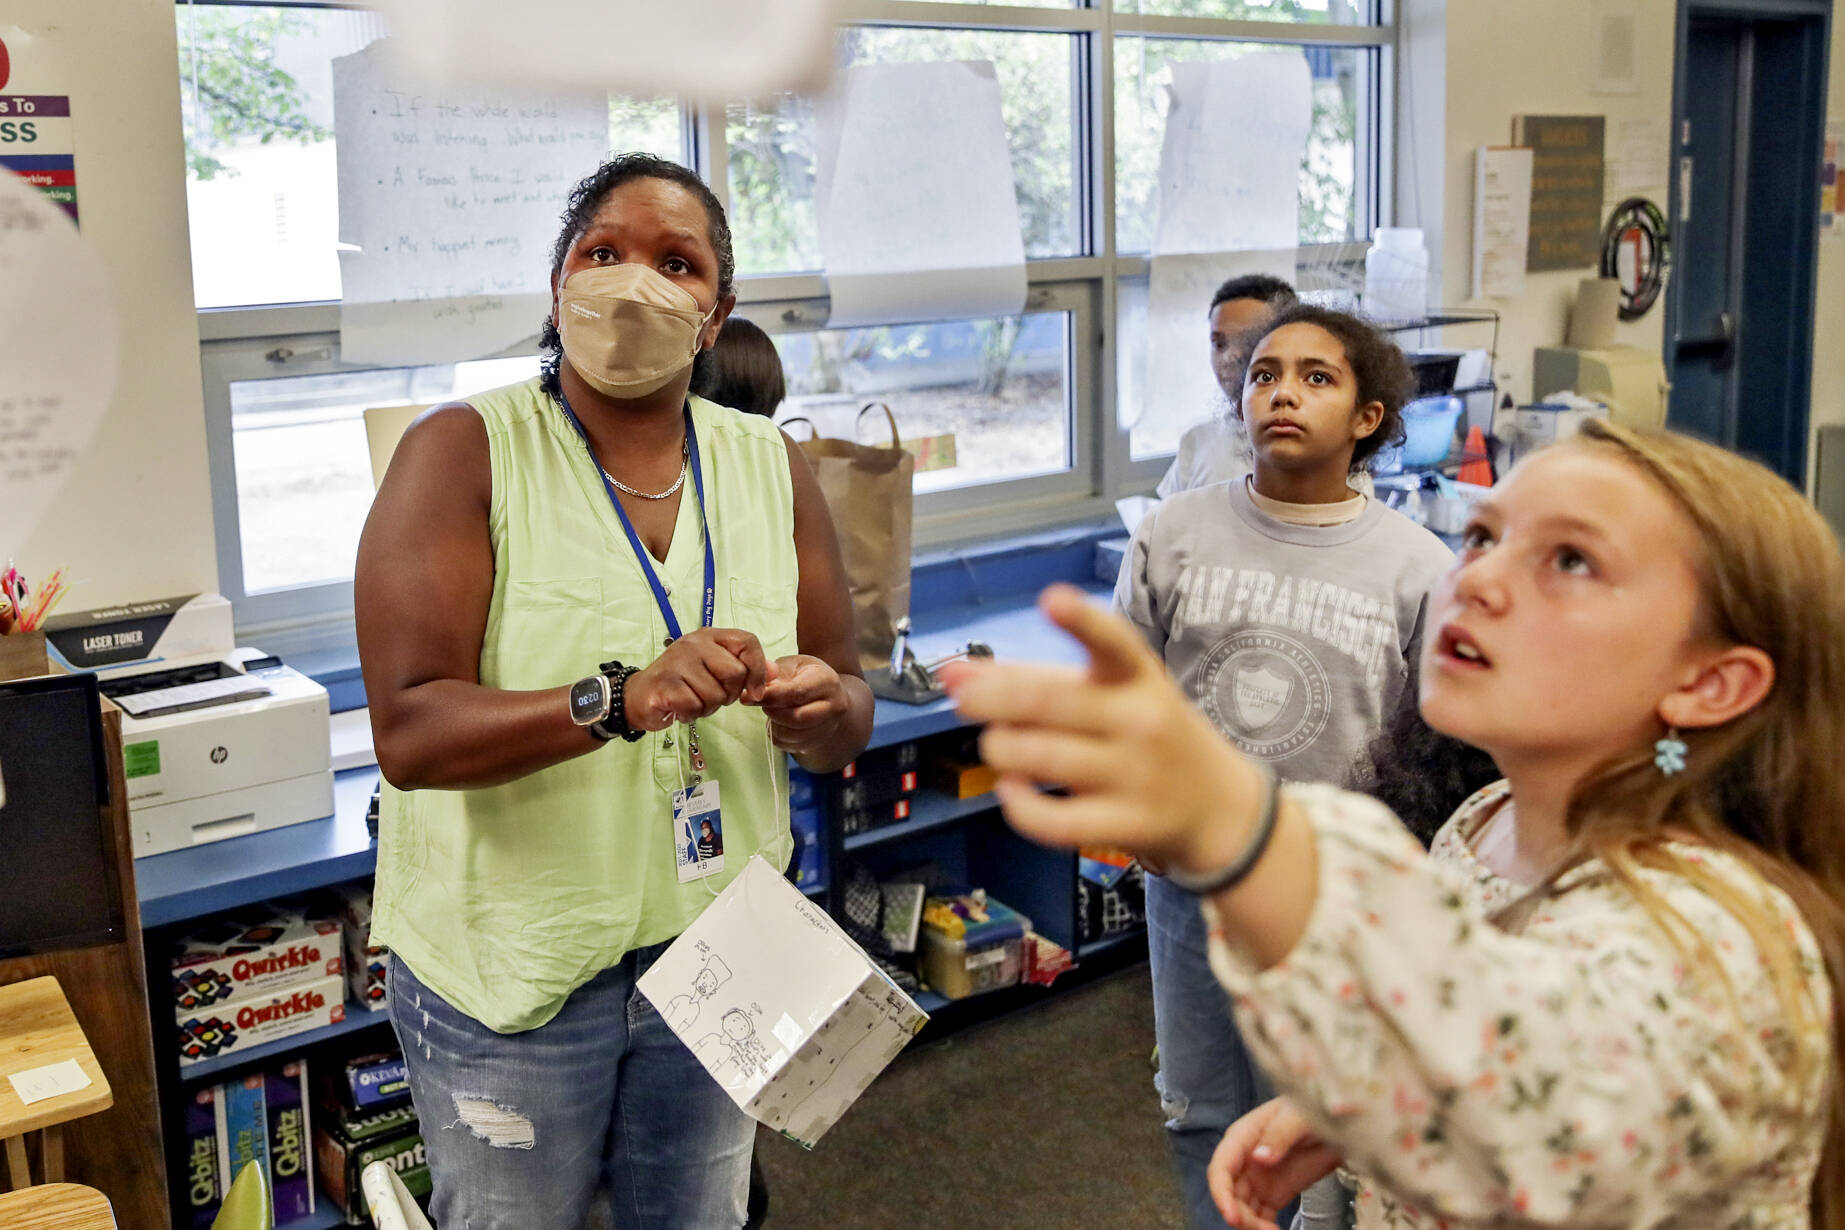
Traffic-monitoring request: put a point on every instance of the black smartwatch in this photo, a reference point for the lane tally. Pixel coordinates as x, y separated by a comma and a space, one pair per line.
598, 703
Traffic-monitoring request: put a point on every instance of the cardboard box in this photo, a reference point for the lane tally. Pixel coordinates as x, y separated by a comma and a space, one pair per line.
366, 962
359, 1126
243, 1126
788, 1015
878, 815
205, 1182
342, 1161
369, 1083
244, 1023
255, 952
961, 779
291, 1153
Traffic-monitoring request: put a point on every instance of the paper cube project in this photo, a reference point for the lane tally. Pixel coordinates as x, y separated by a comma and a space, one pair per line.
779, 1005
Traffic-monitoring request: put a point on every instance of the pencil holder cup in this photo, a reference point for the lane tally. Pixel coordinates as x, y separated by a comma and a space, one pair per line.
22, 655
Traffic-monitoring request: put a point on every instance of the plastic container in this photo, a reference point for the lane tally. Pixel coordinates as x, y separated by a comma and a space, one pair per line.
1428, 425
988, 956
1397, 275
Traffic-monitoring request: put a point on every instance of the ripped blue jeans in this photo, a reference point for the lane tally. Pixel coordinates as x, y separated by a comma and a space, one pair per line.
521, 1129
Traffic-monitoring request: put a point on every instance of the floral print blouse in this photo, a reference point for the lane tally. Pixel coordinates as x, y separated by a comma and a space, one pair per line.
1578, 1073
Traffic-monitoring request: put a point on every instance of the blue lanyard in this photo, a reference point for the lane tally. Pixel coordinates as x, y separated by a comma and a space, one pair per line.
634, 539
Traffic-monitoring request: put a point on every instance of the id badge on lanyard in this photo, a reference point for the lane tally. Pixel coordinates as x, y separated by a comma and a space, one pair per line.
697, 820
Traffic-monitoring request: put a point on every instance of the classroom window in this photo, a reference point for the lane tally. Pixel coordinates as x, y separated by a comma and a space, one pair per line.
991, 396
1314, 12
304, 476
772, 157
1045, 409
1331, 171
262, 193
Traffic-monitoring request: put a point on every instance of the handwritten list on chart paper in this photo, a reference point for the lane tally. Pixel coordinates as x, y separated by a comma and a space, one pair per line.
449, 203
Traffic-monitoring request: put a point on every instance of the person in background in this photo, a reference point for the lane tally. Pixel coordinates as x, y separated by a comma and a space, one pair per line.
743, 370
1607, 997
1216, 450
1289, 607
581, 600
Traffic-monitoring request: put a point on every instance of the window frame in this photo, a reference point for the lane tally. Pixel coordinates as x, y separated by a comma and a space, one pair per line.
242, 343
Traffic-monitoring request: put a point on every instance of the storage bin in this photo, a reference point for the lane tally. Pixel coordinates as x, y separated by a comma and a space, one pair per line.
988, 956
1428, 425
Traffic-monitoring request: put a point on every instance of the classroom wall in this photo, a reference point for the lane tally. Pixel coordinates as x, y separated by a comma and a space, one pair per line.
1512, 57
134, 522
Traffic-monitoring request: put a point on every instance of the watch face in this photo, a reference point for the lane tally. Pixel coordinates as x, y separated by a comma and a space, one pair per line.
589, 700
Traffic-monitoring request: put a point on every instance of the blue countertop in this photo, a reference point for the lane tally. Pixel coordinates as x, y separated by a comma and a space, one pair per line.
223, 875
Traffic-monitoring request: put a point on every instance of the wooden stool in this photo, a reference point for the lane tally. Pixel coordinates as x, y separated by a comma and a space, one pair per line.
56, 1206
37, 1028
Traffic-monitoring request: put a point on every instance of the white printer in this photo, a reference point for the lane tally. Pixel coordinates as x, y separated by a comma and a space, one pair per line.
217, 741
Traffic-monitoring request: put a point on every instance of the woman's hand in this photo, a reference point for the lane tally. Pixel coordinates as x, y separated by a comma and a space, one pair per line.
699, 674
1267, 1158
1143, 768
805, 701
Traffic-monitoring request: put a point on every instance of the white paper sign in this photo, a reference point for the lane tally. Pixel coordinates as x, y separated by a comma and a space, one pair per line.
914, 196
1641, 159
778, 1004
450, 201
713, 51
50, 1081
1501, 220
1179, 388
59, 345
1236, 132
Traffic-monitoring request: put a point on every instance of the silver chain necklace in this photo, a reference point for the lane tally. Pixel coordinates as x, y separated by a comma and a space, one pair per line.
685, 458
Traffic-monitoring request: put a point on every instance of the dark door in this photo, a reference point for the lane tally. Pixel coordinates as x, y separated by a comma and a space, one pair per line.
1748, 121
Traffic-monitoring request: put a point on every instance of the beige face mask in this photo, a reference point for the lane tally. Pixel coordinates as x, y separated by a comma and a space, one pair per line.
626, 329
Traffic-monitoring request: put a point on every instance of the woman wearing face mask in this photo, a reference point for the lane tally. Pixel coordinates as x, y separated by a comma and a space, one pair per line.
592, 614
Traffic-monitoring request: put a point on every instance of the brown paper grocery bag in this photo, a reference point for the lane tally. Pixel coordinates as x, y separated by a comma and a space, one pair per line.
868, 493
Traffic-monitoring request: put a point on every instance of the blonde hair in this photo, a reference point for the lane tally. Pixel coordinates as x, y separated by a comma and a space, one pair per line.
1769, 786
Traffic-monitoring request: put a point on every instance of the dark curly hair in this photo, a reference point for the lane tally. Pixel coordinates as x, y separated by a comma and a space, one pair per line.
1419, 773
588, 196
1382, 373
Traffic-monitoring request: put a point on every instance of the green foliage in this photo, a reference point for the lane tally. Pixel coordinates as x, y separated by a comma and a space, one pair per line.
231, 86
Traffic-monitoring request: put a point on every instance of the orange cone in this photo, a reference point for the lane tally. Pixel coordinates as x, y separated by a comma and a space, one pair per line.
1476, 465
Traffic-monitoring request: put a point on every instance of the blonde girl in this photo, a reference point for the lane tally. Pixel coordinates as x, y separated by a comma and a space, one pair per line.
1607, 1000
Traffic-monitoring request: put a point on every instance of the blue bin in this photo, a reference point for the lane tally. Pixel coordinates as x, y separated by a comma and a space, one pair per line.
1428, 425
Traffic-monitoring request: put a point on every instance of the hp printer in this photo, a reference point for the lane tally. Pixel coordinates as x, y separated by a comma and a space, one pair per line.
217, 741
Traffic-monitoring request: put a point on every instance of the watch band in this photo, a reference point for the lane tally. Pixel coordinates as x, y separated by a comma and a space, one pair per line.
1204, 883
615, 724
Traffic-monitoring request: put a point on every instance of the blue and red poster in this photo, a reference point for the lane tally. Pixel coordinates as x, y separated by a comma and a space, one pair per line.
36, 139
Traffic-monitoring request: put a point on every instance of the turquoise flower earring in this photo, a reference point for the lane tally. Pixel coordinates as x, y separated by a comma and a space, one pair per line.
1669, 754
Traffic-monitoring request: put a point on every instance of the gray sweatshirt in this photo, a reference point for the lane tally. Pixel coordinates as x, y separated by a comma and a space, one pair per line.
1295, 640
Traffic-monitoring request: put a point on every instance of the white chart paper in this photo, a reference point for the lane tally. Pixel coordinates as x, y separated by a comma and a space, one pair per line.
713, 51
1501, 220
449, 204
1230, 162
1229, 204
59, 348
918, 215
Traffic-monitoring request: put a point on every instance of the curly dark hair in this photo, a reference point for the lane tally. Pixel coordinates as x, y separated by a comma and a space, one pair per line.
1383, 374
1419, 773
587, 197
1263, 287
